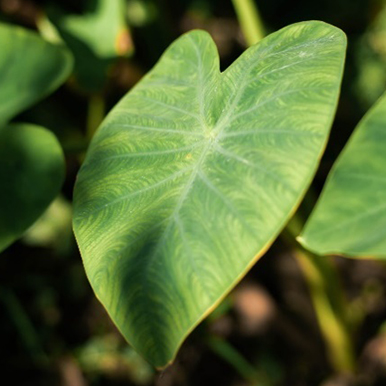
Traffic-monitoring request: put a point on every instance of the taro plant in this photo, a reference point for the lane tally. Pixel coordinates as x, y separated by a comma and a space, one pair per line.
95, 39
31, 158
350, 216
195, 172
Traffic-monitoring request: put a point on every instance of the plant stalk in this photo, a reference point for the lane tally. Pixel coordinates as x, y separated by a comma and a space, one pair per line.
250, 21
328, 301
47, 30
96, 113
333, 328
29, 336
228, 353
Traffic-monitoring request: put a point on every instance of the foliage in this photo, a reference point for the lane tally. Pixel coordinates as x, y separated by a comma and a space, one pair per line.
30, 69
349, 217
185, 185
195, 172
31, 159
95, 39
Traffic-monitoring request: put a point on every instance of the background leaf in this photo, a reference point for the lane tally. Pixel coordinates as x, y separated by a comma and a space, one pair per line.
30, 68
95, 38
31, 175
195, 172
350, 216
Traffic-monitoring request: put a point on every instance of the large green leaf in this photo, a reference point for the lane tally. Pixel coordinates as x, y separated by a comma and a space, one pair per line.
350, 216
195, 172
31, 175
30, 68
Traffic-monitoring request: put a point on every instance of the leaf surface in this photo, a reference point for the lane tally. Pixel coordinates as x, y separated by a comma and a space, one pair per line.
350, 215
195, 172
31, 175
30, 68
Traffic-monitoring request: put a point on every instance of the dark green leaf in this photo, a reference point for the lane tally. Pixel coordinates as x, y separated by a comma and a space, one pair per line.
31, 175
30, 68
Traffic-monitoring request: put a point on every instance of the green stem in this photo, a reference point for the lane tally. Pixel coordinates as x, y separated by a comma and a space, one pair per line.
227, 352
327, 298
96, 113
336, 335
250, 20
24, 326
75, 147
47, 30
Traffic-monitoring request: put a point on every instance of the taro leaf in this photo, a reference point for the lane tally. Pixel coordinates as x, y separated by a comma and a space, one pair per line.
350, 216
95, 38
30, 68
31, 175
103, 29
195, 172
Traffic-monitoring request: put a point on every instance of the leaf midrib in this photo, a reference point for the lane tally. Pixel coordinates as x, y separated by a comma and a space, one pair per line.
213, 135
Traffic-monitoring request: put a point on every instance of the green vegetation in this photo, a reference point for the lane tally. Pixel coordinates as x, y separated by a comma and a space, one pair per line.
211, 157
194, 173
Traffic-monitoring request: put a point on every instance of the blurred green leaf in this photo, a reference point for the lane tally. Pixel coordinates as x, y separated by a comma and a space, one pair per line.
30, 68
141, 13
31, 175
105, 355
350, 216
103, 29
31, 159
370, 55
195, 172
95, 38
53, 229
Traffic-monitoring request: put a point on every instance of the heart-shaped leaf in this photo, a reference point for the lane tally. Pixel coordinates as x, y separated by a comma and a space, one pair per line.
30, 68
31, 175
195, 172
350, 216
